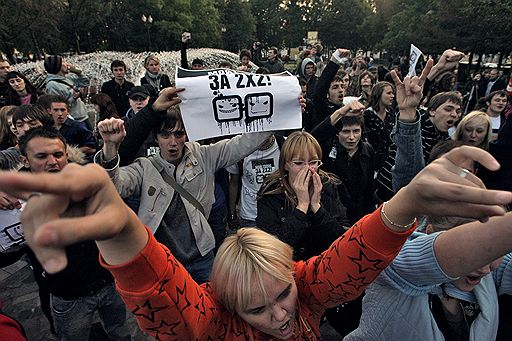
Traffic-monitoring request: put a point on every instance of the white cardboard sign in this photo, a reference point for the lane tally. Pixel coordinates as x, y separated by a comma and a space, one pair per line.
414, 56
225, 102
11, 231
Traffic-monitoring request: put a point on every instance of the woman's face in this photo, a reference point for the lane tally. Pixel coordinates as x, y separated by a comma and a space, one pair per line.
11, 126
299, 162
473, 134
387, 97
17, 84
153, 66
273, 313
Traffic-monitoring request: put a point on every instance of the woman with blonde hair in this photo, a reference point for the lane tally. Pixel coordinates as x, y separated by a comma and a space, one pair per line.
299, 202
475, 129
154, 75
256, 292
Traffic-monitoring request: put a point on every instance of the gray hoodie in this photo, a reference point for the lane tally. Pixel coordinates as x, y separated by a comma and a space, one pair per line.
305, 62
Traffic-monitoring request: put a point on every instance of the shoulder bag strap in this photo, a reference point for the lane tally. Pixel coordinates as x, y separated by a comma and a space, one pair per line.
182, 191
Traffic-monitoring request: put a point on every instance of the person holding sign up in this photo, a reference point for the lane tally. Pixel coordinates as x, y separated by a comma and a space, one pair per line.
176, 186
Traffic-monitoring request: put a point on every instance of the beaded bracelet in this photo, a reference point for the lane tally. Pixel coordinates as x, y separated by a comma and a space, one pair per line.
404, 227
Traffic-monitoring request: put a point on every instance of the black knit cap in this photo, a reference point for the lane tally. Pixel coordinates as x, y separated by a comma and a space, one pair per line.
52, 64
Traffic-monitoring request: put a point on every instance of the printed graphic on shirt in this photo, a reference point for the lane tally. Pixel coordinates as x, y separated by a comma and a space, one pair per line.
261, 168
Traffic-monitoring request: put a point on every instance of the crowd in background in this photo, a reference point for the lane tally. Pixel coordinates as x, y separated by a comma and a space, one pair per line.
365, 135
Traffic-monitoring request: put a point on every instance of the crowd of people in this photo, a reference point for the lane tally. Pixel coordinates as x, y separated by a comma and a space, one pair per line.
385, 215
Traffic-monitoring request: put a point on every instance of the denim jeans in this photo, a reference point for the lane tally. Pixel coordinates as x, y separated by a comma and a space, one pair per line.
201, 268
247, 223
73, 319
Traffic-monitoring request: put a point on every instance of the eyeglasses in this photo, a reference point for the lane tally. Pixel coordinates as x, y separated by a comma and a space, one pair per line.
177, 134
312, 163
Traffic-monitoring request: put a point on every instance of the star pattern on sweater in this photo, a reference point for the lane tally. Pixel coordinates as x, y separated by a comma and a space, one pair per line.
162, 283
335, 246
200, 307
356, 282
337, 290
164, 329
327, 264
364, 263
182, 301
147, 311
357, 237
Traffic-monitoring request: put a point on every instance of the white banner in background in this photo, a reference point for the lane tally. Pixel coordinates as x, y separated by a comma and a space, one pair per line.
225, 102
414, 56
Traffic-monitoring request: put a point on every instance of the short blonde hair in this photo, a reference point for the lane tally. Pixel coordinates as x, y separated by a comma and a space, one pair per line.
150, 58
475, 115
242, 260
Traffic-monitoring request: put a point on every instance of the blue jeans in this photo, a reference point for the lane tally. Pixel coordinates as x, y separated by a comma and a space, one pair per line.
201, 268
73, 319
247, 223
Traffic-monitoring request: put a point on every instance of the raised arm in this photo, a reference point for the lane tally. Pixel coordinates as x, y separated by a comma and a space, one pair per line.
448, 61
406, 134
372, 243
185, 38
322, 86
139, 127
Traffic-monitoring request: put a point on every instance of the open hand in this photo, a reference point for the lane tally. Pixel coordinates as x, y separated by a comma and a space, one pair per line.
167, 98
444, 188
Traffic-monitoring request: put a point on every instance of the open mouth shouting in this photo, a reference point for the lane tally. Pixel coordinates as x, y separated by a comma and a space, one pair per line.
286, 330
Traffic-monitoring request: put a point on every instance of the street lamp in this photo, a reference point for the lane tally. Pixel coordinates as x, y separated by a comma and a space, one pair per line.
148, 21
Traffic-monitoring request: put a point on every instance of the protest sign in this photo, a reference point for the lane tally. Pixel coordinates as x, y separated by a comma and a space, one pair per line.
11, 231
225, 102
414, 56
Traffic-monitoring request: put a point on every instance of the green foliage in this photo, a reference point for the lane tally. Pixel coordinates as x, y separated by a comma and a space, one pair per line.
239, 24
52, 26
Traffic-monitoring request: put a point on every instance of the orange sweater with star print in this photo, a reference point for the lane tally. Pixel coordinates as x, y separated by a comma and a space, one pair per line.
169, 305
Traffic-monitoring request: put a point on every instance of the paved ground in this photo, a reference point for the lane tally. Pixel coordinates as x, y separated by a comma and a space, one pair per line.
19, 295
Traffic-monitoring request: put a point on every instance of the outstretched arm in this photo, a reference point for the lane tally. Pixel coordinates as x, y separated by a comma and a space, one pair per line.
372, 243
448, 61
406, 134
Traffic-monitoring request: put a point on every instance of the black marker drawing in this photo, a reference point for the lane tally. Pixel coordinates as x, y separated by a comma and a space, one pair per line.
14, 232
228, 108
258, 106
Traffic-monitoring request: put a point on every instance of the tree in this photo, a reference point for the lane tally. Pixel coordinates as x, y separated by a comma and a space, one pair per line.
340, 22
267, 15
24, 27
239, 24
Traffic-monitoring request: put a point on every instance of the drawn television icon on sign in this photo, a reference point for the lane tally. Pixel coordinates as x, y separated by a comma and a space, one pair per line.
259, 105
228, 108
